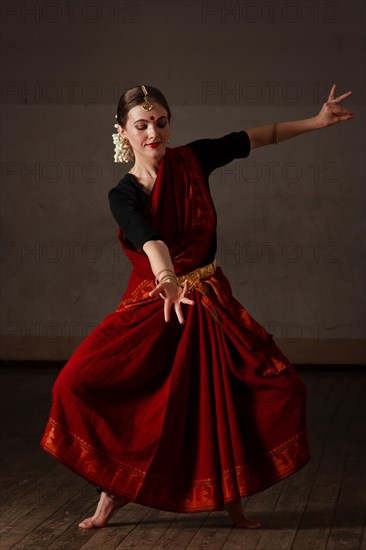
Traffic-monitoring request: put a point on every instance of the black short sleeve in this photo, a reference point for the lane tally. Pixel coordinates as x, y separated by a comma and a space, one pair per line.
216, 152
126, 203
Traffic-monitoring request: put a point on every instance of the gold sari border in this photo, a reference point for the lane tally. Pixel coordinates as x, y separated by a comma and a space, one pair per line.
175, 495
197, 275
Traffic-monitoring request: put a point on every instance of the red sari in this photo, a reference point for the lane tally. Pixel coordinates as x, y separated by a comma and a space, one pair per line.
183, 418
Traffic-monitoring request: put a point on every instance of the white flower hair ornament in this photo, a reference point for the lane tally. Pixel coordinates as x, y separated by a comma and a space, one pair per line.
122, 148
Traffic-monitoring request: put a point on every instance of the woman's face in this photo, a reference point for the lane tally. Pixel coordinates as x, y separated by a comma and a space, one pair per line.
147, 131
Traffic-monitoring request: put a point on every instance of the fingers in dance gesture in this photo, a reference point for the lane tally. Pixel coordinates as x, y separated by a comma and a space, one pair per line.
332, 112
172, 294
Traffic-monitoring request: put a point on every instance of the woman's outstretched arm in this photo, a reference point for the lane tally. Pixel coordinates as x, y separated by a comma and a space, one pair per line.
330, 113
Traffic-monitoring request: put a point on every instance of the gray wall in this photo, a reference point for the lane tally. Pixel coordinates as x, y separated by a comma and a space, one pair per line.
291, 217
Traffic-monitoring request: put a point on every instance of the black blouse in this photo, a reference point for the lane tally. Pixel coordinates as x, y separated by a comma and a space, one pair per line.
127, 199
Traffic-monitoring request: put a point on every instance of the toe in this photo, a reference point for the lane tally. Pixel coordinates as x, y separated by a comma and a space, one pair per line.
87, 523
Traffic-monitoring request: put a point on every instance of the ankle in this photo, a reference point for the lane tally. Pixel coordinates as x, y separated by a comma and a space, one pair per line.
107, 493
117, 500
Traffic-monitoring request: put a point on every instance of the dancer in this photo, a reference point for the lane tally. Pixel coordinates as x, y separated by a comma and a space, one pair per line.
179, 399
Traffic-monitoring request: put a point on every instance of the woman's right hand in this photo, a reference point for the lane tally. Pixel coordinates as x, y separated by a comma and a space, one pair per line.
172, 294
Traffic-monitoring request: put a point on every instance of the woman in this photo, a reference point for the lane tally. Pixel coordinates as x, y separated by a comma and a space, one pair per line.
179, 399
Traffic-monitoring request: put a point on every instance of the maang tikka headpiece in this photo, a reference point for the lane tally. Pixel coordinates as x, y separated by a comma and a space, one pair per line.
146, 105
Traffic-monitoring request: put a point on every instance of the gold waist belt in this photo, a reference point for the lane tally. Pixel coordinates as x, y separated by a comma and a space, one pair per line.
195, 276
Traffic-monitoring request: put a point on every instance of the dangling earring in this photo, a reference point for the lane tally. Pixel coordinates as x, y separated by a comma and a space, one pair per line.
123, 151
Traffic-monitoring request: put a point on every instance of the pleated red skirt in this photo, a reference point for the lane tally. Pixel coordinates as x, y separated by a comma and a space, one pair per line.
181, 418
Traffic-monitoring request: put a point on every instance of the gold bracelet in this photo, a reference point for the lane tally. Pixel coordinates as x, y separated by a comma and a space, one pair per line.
274, 134
157, 275
169, 278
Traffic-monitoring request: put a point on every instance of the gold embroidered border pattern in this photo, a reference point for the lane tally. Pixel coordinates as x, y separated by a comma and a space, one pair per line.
197, 275
149, 489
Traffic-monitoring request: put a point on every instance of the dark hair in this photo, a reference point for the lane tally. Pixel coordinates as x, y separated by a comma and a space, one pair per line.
135, 96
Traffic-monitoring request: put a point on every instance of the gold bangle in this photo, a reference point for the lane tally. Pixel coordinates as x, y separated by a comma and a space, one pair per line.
157, 275
168, 278
274, 134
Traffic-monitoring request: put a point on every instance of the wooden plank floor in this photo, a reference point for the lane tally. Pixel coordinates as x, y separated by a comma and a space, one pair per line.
321, 507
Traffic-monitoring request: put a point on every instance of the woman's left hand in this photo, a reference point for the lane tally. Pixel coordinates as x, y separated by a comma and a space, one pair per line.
331, 112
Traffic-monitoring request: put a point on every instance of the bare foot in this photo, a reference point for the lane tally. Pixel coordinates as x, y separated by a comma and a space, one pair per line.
107, 505
235, 511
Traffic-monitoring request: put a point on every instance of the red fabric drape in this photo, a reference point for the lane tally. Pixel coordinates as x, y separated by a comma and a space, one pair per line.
179, 417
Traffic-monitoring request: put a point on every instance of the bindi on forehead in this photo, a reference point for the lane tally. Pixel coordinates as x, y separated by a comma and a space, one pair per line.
152, 118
